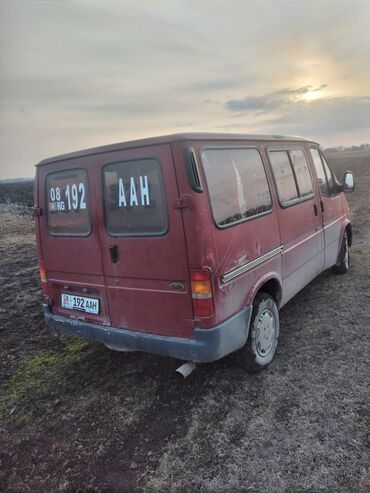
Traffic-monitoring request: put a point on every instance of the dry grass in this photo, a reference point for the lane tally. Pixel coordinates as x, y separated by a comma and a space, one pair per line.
12, 208
15, 219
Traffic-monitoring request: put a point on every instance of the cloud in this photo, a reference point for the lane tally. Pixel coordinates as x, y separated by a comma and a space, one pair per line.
273, 101
288, 111
325, 116
214, 84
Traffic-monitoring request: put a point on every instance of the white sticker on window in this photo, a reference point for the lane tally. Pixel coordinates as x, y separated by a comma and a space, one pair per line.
72, 199
133, 192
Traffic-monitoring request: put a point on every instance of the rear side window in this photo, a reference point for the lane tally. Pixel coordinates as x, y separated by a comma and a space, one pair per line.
135, 203
237, 184
67, 203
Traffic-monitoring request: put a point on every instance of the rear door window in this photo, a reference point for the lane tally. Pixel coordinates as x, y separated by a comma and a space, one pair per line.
134, 198
237, 184
67, 203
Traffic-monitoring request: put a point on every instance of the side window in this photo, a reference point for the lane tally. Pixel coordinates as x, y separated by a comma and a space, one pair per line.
134, 198
302, 172
284, 177
321, 177
329, 175
67, 203
237, 184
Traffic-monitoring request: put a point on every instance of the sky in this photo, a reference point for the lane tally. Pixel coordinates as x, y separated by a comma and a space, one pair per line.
76, 74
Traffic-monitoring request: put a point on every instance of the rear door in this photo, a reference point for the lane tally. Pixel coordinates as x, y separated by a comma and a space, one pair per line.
143, 244
69, 240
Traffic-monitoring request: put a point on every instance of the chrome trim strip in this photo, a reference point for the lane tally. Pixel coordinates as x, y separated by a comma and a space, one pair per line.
232, 274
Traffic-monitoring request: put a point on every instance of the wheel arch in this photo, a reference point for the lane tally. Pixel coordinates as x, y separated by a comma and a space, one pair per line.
269, 284
348, 230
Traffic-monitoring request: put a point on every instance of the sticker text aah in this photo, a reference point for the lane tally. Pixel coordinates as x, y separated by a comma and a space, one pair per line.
130, 193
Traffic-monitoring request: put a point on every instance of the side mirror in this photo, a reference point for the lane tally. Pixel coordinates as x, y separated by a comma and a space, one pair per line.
348, 182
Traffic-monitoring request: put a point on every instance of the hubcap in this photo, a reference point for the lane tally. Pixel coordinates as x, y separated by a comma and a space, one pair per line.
265, 334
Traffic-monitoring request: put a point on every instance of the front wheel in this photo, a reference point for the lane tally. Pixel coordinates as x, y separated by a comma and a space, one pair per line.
342, 265
263, 337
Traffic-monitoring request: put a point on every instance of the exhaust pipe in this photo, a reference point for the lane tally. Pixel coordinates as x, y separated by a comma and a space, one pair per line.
123, 349
186, 369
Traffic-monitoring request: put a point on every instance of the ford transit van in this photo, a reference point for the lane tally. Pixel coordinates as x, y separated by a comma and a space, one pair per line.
187, 245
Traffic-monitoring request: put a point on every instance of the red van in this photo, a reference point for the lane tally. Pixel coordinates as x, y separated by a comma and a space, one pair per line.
187, 245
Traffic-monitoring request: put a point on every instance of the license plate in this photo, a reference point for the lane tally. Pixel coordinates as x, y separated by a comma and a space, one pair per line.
81, 303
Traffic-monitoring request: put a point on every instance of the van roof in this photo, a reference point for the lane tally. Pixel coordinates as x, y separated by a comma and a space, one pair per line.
165, 139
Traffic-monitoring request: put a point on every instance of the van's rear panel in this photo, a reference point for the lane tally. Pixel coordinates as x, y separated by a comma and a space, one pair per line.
111, 233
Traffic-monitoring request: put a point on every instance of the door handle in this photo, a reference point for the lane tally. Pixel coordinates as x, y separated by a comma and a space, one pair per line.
322, 205
113, 253
315, 209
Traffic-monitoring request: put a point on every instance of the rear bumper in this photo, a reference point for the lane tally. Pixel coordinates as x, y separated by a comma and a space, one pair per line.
207, 345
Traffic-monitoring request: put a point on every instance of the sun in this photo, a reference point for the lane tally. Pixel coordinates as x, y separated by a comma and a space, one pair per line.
311, 96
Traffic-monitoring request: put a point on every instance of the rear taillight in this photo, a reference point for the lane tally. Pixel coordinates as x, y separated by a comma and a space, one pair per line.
201, 292
44, 281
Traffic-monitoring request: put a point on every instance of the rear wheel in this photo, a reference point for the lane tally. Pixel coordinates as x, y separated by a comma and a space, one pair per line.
342, 265
263, 337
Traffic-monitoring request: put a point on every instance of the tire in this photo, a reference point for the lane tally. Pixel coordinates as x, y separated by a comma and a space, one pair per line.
343, 262
263, 337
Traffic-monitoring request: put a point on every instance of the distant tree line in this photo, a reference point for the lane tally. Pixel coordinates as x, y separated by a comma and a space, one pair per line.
361, 147
17, 180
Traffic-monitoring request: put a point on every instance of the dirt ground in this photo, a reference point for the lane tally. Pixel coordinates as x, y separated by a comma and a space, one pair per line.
75, 416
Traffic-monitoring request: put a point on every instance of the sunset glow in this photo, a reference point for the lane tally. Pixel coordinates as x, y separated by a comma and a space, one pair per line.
311, 96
